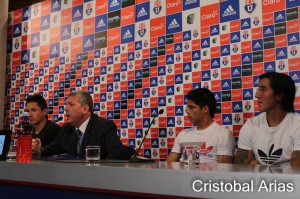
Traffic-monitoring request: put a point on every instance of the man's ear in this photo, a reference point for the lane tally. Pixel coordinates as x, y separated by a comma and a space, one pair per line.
205, 109
280, 97
86, 108
45, 111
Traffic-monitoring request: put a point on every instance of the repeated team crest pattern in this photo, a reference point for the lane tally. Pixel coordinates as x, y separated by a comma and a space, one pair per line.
136, 57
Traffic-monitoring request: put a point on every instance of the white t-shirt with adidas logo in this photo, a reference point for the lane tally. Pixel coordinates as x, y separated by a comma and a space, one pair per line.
216, 141
271, 145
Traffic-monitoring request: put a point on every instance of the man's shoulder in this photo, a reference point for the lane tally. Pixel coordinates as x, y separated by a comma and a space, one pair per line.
257, 120
294, 116
52, 124
95, 120
188, 130
218, 127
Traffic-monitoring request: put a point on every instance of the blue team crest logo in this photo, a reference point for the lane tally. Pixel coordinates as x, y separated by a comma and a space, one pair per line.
169, 69
89, 9
247, 105
237, 118
293, 50
138, 113
138, 54
25, 27
35, 11
123, 76
195, 33
146, 43
157, 7
155, 153
131, 123
109, 96
103, 52
250, 6
170, 132
97, 62
76, 29
142, 29
186, 45
153, 92
225, 61
116, 86
65, 47
17, 44
146, 102
179, 121
178, 57
245, 34
124, 133
162, 142
130, 66
161, 81
215, 74
235, 48
281, 65
103, 106
256, 21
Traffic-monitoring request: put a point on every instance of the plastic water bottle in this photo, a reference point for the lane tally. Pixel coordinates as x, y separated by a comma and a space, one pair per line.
24, 140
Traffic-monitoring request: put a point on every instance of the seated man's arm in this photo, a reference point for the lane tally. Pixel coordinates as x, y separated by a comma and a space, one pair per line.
225, 159
295, 158
244, 156
173, 157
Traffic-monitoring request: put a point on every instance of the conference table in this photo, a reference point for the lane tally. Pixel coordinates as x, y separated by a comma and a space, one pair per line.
120, 179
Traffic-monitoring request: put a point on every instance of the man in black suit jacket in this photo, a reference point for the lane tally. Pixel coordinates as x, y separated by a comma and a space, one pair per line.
96, 131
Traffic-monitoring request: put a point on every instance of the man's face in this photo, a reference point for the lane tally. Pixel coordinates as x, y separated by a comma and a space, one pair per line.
35, 113
194, 112
75, 112
266, 98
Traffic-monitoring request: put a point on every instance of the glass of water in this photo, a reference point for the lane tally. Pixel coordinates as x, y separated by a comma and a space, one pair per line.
92, 153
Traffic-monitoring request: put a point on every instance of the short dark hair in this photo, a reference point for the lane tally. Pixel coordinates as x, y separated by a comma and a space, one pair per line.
38, 99
84, 98
203, 97
41, 102
284, 86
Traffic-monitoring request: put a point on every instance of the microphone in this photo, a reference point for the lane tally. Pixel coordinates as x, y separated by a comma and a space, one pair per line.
60, 118
135, 158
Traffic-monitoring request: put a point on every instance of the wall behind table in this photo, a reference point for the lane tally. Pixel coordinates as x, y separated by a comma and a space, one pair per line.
136, 57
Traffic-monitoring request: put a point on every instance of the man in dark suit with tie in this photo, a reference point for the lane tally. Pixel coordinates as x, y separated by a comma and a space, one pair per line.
83, 128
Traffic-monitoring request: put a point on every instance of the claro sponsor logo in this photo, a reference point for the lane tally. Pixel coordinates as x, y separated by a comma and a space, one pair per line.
209, 16
270, 2
160, 27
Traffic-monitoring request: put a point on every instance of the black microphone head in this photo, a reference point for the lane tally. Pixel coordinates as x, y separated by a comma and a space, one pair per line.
161, 111
60, 118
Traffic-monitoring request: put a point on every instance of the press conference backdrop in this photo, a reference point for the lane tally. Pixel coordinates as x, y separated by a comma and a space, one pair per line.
136, 57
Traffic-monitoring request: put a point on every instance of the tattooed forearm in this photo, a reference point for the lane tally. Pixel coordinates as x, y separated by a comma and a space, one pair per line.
243, 156
295, 158
225, 159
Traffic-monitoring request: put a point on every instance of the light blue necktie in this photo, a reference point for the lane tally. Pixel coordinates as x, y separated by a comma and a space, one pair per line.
79, 140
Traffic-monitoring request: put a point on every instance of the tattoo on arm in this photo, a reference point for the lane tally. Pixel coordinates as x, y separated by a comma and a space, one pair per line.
225, 159
243, 156
295, 158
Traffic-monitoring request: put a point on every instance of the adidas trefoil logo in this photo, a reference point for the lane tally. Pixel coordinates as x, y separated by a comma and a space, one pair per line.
272, 157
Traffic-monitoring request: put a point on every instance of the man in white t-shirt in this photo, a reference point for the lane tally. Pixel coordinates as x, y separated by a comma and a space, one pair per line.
272, 137
218, 142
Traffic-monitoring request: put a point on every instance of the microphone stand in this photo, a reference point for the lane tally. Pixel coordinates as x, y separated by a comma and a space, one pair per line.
135, 158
